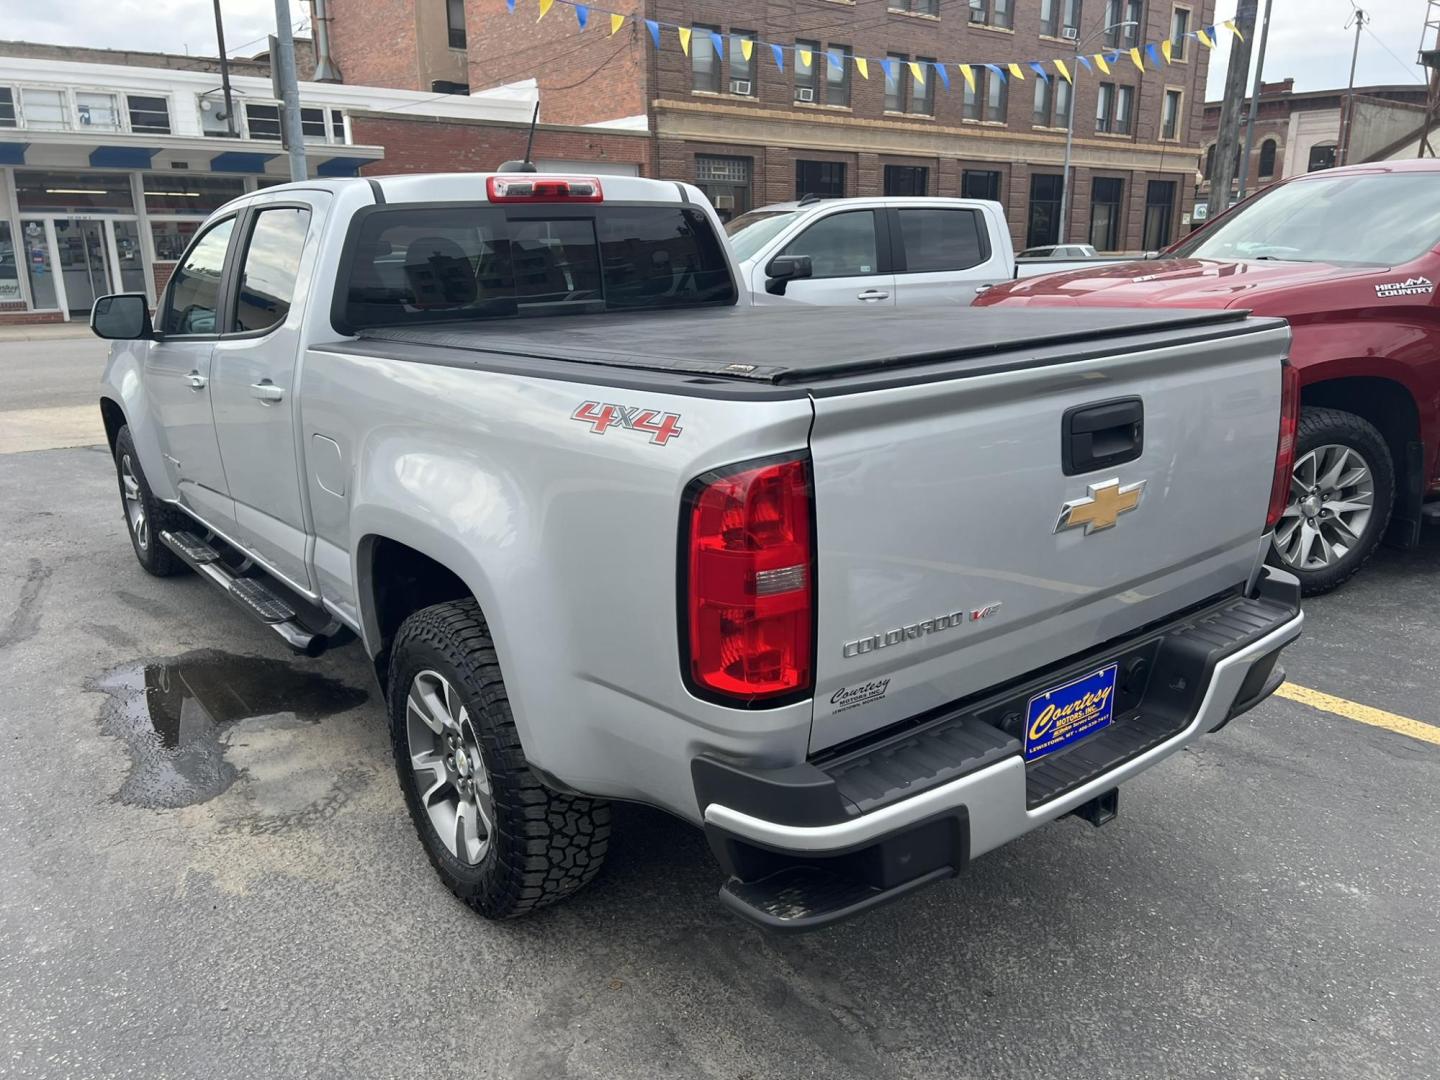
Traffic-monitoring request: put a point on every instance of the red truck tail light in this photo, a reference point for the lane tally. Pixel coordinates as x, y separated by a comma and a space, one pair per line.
1285, 449
748, 582
522, 187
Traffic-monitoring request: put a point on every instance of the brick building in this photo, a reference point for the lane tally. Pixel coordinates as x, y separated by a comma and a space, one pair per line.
750, 134
1306, 131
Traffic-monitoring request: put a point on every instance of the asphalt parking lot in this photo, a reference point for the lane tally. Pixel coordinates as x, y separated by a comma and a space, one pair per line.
254, 903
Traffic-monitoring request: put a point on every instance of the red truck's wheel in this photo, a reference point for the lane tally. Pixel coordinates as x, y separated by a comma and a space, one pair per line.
1341, 492
500, 840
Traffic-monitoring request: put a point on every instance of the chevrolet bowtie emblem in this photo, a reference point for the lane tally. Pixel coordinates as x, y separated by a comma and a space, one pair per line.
1100, 509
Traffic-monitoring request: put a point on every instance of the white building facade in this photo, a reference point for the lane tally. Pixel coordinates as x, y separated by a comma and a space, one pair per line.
107, 170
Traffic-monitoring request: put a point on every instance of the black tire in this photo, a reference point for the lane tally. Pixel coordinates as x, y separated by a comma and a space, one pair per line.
144, 531
1332, 427
544, 845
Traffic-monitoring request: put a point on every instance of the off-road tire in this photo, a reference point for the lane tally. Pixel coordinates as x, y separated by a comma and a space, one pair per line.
546, 845
1322, 427
153, 556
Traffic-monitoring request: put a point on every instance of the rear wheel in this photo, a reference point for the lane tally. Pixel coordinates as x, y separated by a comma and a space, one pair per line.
500, 840
145, 515
1342, 487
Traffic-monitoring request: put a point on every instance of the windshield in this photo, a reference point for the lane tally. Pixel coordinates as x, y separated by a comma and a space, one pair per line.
1376, 219
750, 232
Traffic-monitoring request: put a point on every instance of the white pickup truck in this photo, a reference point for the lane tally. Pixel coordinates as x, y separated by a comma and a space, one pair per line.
880, 252
863, 595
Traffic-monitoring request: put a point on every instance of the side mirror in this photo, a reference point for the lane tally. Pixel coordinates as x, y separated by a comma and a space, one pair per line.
784, 269
122, 317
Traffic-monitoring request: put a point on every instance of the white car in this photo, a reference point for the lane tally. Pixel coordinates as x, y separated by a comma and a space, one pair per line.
1060, 251
880, 251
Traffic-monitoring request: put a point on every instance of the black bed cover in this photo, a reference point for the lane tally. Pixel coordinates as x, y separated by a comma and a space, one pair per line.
787, 345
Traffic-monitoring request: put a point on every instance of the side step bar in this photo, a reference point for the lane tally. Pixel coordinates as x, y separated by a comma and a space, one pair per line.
262, 600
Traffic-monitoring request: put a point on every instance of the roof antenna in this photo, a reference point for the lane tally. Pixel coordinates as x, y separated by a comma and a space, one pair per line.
525, 165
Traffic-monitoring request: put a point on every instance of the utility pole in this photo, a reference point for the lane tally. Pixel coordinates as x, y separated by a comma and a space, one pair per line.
1254, 103
1430, 60
1070, 122
1222, 165
282, 74
1360, 19
225, 73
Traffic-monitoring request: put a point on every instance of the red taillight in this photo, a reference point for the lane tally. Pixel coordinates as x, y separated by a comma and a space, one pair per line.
1285, 450
523, 187
750, 581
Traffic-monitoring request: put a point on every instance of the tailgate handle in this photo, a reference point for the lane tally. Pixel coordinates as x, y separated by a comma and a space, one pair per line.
1102, 435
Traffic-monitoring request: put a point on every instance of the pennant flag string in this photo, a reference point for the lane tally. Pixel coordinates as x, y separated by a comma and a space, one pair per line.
1159, 53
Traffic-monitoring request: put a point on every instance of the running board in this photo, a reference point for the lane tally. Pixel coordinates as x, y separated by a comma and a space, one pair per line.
255, 594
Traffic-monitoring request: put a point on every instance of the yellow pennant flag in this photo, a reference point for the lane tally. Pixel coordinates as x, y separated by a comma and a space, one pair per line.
917, 71
1166, 48
747, 46
1230, 25
1135, 56
862, 66
1015, 72
545, 6
1099, 59
684, 37
1205, 39
1060, 67
969, 73
616, 21
804, 56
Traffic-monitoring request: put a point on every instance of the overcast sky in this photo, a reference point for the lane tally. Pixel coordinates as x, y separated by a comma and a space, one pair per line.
1307, 37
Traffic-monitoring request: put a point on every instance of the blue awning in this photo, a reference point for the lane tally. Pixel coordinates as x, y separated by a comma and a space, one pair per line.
122, 157
12, 153
239, 161
341, 166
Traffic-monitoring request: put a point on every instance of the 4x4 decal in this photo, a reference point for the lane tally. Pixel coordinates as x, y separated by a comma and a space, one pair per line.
661, 427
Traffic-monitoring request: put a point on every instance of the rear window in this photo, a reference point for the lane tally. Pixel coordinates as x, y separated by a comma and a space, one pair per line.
414, 264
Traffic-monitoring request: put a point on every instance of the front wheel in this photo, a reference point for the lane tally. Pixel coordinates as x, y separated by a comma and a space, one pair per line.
145, 515
1342, 488
500, 840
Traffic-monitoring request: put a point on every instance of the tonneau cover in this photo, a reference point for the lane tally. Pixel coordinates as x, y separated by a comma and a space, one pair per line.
789, 344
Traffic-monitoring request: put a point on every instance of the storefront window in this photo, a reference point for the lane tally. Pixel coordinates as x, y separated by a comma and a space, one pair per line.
9, 267
73, 192
172, 237
179, 193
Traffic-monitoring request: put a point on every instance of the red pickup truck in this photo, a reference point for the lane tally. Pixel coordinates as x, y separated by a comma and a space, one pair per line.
1350, 257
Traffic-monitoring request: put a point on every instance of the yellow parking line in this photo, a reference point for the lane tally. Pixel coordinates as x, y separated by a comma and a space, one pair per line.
1363, 714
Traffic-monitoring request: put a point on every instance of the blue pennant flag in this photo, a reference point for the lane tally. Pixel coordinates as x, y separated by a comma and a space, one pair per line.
1036, 67
654, 28
944, 75
836, 60
718, 43
511, 5
1113, 58
1154, 54
582, 15
779, 55
889, 66
999, 71
1085, 62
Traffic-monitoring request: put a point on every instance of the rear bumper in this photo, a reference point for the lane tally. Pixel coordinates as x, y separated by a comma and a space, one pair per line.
812, 844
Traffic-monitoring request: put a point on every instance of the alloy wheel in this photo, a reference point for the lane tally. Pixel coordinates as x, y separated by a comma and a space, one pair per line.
449, 771
1332, 495
134, 504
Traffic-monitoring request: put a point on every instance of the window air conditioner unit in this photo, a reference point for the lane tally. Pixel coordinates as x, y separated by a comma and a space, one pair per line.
724, 202
804, 93
1071, 33
740, 86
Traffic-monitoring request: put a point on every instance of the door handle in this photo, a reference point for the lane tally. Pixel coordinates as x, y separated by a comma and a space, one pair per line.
197, 381
870, 296
267, 392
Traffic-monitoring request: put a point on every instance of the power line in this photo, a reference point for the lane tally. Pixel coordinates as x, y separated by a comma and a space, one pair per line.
1408, 67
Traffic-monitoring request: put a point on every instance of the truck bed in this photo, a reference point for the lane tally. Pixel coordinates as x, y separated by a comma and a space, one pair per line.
799, 349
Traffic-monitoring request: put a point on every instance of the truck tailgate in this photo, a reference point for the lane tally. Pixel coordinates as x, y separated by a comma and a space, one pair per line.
943, 568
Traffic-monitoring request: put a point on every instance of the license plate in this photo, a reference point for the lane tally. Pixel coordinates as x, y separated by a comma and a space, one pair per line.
1068, 713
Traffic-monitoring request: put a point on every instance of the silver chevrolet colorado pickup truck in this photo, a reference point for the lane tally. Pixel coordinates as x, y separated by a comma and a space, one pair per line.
863, 594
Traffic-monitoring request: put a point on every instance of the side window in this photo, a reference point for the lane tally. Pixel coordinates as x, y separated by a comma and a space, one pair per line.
942, 240
841, 245
195, 284
272, 262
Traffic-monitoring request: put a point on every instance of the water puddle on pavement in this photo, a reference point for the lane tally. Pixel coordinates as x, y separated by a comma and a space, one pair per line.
172, 715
